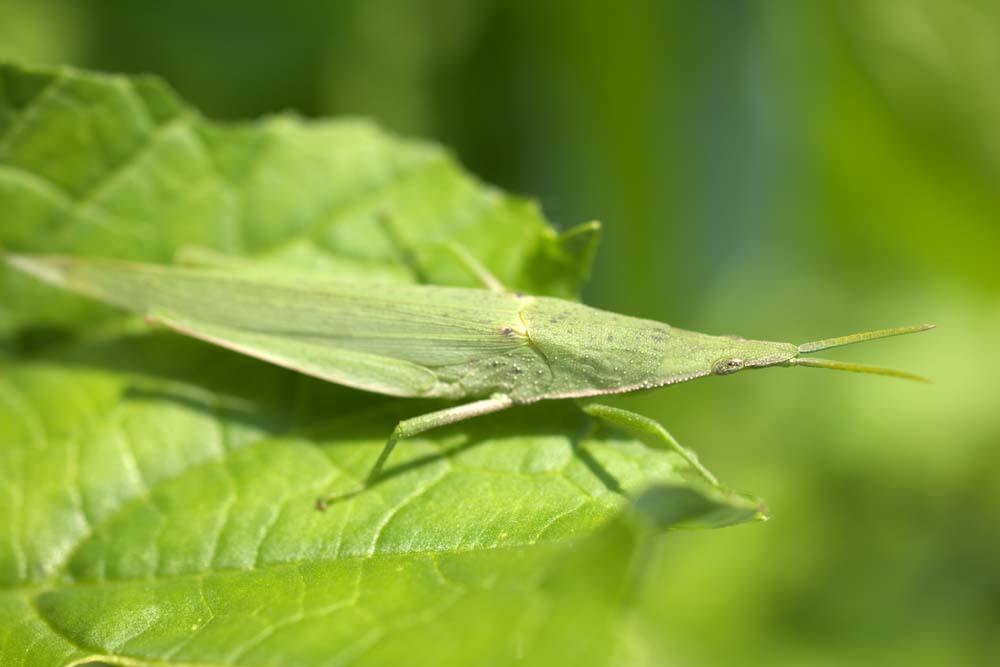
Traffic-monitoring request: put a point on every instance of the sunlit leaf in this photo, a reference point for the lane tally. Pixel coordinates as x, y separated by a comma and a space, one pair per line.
158, 493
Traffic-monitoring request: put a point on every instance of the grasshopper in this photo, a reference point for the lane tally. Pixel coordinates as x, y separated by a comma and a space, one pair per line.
492, 348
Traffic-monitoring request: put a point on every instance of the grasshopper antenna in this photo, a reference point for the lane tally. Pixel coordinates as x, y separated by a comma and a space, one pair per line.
826, 343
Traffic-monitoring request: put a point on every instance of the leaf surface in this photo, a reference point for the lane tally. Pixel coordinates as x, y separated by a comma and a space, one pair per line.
118, 167
156, 492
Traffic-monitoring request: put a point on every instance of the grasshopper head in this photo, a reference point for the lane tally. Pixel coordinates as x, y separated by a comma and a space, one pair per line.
742, 354
759, 354
689, 355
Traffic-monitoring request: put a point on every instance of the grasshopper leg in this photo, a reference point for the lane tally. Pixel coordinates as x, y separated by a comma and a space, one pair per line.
414, 426
475, 267
407, 254
651, 431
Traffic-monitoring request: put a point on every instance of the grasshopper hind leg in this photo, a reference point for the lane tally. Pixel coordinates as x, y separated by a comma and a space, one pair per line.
407, 254
475, 267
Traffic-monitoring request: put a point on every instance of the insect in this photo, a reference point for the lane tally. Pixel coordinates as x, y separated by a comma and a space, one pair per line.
495, 347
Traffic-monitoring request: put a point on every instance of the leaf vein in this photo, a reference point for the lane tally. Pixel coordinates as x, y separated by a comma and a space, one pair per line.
409, 498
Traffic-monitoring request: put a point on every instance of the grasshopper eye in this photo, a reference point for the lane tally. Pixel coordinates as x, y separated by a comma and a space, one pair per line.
727, 365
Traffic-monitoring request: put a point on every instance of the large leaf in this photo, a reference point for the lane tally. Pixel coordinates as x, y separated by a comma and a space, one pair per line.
156, 493
118, 167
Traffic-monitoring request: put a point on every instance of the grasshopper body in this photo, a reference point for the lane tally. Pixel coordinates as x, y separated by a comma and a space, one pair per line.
499, 348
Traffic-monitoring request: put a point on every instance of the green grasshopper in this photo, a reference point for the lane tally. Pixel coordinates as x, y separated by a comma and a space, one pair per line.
497, 347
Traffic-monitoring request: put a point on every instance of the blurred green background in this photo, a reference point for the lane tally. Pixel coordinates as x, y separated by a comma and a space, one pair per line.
782, 170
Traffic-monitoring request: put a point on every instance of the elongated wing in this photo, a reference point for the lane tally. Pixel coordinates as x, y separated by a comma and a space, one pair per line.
381, 337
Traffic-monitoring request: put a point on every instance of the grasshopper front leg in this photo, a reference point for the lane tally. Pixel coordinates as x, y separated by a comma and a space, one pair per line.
414, 426
651, 431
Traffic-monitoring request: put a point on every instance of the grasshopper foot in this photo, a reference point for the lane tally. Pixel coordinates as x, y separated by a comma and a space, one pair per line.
323, 502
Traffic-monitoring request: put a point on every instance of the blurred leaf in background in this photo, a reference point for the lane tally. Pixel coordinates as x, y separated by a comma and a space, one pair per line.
778, 170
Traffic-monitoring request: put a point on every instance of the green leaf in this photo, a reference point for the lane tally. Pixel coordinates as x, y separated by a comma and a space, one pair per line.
156, 493
118, 167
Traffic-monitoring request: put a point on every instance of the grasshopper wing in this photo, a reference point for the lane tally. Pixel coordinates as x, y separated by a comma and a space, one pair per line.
386, 338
